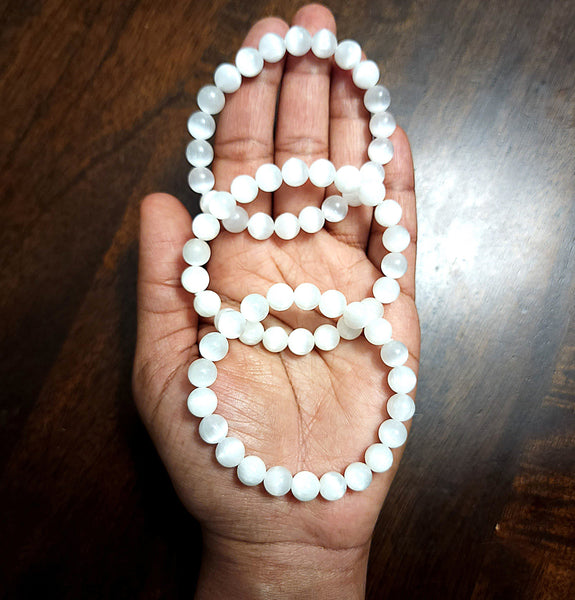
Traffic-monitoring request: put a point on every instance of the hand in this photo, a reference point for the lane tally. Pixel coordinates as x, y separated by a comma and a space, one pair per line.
319, 412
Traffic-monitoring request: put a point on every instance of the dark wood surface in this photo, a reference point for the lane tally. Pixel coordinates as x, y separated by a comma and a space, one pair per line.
95, 97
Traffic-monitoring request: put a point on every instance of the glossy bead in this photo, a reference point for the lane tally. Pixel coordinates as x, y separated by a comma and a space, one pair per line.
275, 339
354, 315
222, 205
227, 78
205, 227
277, 481
394, 353
377, 99
382, 124
401, 407
202, 372
280, 296
401, 379
213, 346
394, 265
287, 226
332, 486
358, 476
323, 43
213, 429
244, 189
380, 150
230, 452
307, 296
211, 100
378, 332
332, 304
388, 213
321, 172
298, 41
346, 332
201, 125
196, 252
195, 279
371, 193
295, 172
352, 199
373, 309
255, 307
371, 171
237, 221
334, 209
202, 402
201, 180
347, 54
230, 323
251, 470
205, 201
386, 290
268, 177
326, 337
311, 219
365, 74
272, 47
379, 458
305, 486
199, 153
347, 179
301, 341
207, 303
252, 334
392, 433
260, 226
249, 62
396, 238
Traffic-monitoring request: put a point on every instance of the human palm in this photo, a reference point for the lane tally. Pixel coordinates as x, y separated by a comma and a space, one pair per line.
318, 412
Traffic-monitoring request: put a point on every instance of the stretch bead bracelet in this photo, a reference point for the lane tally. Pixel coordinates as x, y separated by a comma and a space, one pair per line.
363, 186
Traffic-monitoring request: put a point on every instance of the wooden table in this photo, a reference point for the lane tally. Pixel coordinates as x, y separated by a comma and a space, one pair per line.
95, 97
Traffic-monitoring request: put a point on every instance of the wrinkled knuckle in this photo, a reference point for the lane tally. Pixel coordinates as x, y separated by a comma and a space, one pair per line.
306, 147
240, 149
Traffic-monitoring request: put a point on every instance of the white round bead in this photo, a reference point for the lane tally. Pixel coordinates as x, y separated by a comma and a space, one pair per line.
196, 252
396, 238
352, 199
202, 402
322, 172
205, 227
255, 307
280, 296
211, 100
311, 219
213, 346
249, 62
207, 303
268, 177
379, 458
295, 172
298, 41
227, 78
332, 486
326, 337
202, 372
347, 54
201, 125
230, 323
371, 193
334, 209
323, 43
201, 180
213, 429
401, 407
394, 353
244, 189
199, 153
237, 221
332, 304
394, 265
392, 433
230, 452
382, 124
371, 171
260, 226
195, 279
373, 309
205, 201
301, 341
251, 470
305, 486
401, 379
377, 99
386, 290
287, 226
378, 332
388, 213
358, 476
221, 205
307, 296
380, 150
365, 74
354, 315
347, 179
275, 339
252, 334
272, 47
346, 332
277, 481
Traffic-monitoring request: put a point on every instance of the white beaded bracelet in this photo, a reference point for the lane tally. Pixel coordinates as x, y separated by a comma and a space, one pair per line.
357, 187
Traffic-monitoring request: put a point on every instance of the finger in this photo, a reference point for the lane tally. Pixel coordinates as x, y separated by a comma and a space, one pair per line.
303, 115
245, 133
